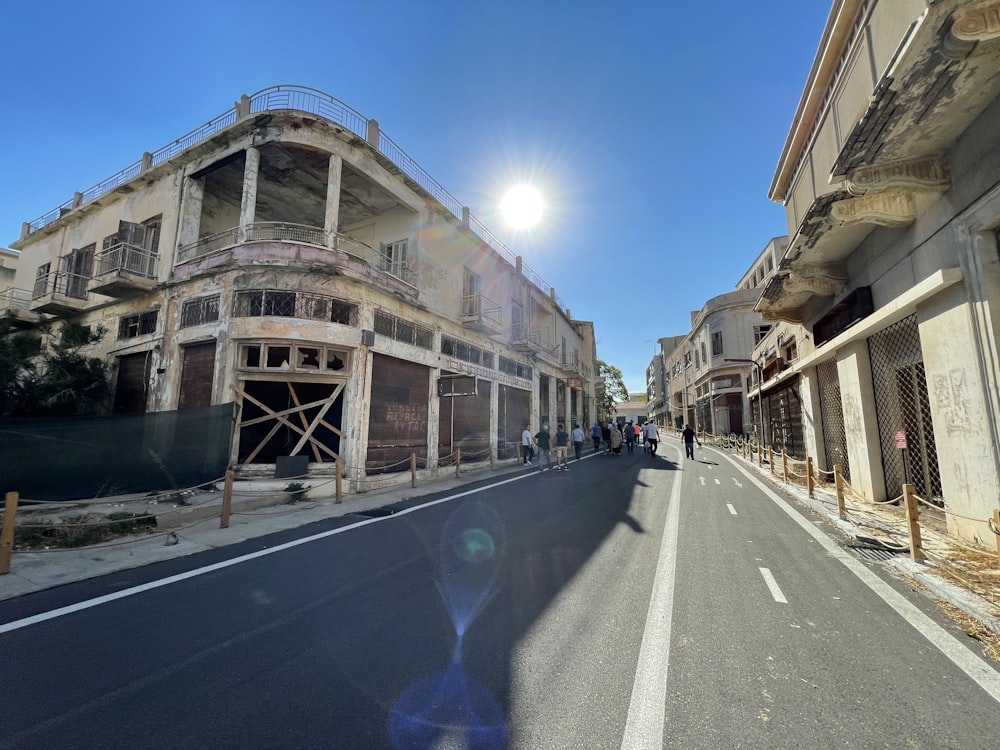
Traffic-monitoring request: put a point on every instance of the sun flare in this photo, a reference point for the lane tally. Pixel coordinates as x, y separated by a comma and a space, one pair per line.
522, 206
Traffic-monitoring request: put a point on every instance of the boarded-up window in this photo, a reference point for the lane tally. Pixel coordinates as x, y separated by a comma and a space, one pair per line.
132, 384
197, 373
398, 417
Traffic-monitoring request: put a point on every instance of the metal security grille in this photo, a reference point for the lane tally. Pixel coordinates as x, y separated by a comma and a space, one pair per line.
784, 408
832, 417
902, 403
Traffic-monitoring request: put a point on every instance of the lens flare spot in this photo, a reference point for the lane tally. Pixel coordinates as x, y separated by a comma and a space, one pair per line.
474, 545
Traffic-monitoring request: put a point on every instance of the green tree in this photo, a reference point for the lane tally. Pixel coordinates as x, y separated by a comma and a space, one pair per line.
614, 388
48, 376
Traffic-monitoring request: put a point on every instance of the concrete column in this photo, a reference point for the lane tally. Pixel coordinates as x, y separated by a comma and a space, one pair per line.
857, 394
356, 454
332, 217
433, 417
812, 418
553, 405
966, 455
191, 199
248, 205
372, 134
494, 418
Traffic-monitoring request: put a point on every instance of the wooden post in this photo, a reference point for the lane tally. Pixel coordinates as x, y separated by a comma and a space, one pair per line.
784, 465
7, 536
458, 462
838, 478
760, 454
227, 500
339, 482
912, 514
996, 528
770, 458
810, 480
413, 469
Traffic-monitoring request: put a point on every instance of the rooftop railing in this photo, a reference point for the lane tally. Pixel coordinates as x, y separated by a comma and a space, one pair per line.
304, 99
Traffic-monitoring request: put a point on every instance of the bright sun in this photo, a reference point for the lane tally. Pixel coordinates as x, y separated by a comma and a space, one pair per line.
522, 206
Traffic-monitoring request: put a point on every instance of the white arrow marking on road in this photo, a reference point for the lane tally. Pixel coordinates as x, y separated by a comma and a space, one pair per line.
731, 508
717, 481
737, 483
773, 586
702, 480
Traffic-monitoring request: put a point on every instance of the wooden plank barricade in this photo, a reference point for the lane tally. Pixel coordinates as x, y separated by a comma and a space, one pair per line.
912, 514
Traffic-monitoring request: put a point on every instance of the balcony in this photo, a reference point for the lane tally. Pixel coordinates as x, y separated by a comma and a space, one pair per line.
482, 315
524, 338
15, 306
60, 292
124, 270
272, 240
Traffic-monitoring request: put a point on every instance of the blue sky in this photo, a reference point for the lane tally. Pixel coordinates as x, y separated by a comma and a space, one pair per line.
652, 129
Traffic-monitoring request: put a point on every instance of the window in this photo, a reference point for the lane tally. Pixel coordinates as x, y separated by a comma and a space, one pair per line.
41, 280
137, 325
195, 312
293, 357
704, 353
717, 343
402, 330
516, 369
272, 302
77, 268
393, 258
471, 302
759, 332
465, 351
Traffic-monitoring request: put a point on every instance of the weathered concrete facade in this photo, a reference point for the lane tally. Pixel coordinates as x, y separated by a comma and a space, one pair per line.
891, 281
289, 257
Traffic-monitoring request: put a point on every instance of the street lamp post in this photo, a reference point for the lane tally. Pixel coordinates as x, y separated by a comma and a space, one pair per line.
760, 400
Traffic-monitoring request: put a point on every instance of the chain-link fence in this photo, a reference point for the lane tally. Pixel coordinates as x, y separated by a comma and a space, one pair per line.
832, 417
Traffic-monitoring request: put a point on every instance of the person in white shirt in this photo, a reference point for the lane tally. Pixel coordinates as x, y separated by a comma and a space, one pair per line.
577, 436
526, 444
651, 436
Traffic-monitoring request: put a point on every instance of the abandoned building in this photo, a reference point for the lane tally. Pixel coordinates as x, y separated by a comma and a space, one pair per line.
290, 258
885, 307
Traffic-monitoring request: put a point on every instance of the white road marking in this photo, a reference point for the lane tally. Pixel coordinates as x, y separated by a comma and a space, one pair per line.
717, 481
647, 708
738, 483
702, 480
976, 668
731, 508
772, 586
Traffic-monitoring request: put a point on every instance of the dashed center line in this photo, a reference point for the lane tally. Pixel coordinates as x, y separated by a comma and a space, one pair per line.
731, 508
717, 481
772, 585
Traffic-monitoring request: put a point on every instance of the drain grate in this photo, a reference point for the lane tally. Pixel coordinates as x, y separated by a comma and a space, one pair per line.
870, 553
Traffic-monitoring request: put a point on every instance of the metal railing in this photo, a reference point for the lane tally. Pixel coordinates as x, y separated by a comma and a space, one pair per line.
15, 299
305, 99
61, 284
482, 308
522, 333
276, 231
126, 258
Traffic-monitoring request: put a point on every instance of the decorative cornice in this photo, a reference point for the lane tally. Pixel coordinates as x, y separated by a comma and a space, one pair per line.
789, 315
893, 208
929, 174
977, 24
823, 280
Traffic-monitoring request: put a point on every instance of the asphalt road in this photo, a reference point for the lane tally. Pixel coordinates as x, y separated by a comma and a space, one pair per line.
631, 602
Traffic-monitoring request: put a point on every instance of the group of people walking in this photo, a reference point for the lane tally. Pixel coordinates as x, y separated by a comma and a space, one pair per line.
612, 436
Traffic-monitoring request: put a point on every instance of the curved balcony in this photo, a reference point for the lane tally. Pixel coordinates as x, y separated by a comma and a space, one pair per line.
297, 242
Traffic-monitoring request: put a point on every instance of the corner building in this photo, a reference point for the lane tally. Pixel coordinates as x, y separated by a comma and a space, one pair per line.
887, 301
291, 258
